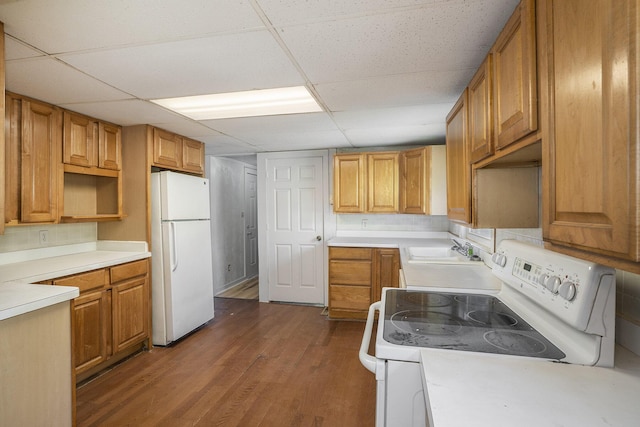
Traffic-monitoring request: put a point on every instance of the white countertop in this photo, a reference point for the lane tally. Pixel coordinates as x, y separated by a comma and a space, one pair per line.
477, 389
20, 298
19, 270
390, 239
474, 277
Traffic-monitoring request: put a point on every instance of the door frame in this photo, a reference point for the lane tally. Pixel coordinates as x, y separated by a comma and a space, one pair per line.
329, 218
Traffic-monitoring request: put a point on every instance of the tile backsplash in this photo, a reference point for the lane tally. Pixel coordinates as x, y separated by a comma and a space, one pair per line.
28, 237
391, 222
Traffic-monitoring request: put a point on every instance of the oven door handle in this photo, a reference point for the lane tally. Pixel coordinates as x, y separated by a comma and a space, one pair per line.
368, 361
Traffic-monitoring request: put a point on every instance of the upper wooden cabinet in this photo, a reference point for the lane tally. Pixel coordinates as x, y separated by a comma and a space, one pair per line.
109, 146
90, 143
589, 65
192, 156
492, 197
458, 168
409, 181
423, 184
382, 182
480, 113
414, 182
349, 182
33, 135
515, 90
173, 151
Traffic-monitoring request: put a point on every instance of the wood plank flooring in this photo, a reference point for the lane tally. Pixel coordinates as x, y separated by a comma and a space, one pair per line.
245, 290
255, 364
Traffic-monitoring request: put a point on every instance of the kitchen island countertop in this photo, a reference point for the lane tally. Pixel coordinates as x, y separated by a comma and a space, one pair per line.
487, 390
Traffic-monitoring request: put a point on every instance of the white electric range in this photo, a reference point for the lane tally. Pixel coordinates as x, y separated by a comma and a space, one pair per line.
549, 307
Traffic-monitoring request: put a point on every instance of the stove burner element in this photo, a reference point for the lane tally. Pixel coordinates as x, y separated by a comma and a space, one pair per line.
425, 322
492, 318
515, 343
424, 299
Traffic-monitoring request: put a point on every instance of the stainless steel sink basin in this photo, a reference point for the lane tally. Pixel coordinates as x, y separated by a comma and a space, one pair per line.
435, 255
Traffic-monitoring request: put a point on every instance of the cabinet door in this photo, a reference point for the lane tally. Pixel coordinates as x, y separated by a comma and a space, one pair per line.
167, 149
348, 183
130, 310
91, 326
387, 271
514, 75
13, 158
382, 182
590, 140
458, 169
480, 113
350, 280
414, 181
41, 148
80, 140
192, 156
109, 146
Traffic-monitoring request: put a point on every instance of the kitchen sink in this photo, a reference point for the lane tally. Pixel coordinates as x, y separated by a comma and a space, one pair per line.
436, 255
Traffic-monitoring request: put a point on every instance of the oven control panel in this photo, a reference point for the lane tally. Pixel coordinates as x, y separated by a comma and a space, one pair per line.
563, 285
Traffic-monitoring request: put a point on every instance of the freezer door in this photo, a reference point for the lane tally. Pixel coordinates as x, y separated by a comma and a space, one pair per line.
183, 197
187, 276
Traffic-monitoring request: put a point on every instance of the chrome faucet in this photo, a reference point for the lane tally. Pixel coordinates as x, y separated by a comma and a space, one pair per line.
465, 249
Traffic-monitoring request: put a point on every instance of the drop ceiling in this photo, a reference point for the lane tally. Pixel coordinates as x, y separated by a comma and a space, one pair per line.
386, 72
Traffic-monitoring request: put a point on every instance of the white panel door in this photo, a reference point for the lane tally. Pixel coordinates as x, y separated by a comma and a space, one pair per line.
251, 222
295, 229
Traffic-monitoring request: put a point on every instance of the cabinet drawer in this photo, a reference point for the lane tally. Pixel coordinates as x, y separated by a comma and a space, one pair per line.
350, 297
128, 271
350, 272
95, 279
349, 253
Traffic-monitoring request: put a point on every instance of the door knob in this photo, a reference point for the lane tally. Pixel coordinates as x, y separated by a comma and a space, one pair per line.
318, 238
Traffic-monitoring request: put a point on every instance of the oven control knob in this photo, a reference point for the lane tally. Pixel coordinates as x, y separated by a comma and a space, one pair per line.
567, 290
552, 283
542, 279
499, 259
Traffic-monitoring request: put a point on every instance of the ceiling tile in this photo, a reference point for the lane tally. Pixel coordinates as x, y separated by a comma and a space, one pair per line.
52, 81
301, 11
401, 135
309, 122
402, 42
15, 49
232, 62
108, 23
432, 87
126, 113
393, 117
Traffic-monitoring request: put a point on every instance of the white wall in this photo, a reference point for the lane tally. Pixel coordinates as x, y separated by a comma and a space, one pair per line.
226, 181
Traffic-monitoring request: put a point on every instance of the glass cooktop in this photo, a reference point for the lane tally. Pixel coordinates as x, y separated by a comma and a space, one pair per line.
467, 322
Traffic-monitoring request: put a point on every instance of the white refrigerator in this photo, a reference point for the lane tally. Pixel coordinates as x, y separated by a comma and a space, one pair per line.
181, 274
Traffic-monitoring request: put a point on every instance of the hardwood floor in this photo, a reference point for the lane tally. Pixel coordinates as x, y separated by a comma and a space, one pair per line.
245, 290
255, 364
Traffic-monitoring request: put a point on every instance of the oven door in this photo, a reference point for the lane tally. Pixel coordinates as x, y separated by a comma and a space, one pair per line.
399, 390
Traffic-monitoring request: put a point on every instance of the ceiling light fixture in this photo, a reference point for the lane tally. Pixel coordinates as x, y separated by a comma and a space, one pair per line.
265, 102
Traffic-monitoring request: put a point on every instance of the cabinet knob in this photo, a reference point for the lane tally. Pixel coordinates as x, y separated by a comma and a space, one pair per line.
318, 238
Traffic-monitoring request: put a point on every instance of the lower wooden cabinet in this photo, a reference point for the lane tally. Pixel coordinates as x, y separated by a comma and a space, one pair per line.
111, 315
356, 279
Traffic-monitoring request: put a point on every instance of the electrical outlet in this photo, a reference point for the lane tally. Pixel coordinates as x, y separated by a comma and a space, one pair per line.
364, 223
229, 267
44, 237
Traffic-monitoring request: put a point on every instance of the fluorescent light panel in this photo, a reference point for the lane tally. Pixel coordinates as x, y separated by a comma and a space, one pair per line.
266, 102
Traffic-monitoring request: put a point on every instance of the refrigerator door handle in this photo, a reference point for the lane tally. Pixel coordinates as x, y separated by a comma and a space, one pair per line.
174, 248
